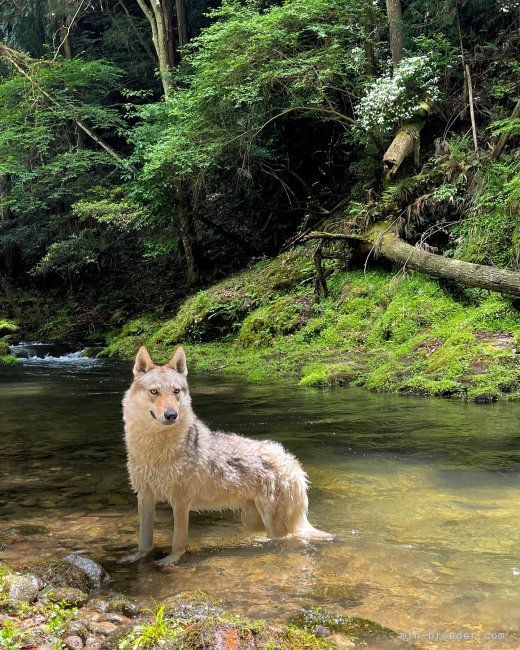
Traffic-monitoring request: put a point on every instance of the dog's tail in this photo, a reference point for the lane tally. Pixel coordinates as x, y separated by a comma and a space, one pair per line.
298, 524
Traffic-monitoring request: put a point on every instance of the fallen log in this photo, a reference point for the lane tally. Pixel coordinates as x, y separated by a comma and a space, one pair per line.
384, 242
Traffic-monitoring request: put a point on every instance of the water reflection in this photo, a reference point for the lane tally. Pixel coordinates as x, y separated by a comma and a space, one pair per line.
423, 495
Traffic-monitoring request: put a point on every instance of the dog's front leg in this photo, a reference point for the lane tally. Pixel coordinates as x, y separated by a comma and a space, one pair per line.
181, 518
146, 509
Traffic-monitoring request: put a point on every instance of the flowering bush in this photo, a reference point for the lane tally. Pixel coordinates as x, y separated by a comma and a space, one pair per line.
395, 98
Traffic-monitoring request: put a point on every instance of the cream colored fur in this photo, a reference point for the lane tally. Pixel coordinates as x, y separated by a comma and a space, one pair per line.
185, 464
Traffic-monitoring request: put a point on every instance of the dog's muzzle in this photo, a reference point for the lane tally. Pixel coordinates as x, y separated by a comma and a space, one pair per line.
170, 415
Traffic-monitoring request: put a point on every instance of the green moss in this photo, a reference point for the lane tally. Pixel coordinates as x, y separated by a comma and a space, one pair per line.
403, 333
8, 359
217, 312
131, 337
328, 374
279, 318
59, 573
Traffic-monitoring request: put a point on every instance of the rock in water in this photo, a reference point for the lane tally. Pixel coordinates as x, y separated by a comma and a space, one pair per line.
95, 571
58, 573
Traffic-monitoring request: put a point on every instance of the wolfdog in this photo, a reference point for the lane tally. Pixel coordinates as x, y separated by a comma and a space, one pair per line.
174, 457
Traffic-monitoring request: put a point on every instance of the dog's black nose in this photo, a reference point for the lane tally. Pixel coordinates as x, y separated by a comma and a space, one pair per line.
170, 415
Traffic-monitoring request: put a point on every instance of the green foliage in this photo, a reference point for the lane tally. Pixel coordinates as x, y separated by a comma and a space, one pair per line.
8, 360
58, 615
248, 75
49, 163
509, 126
160, 631
8, 327
10, 635
490, 232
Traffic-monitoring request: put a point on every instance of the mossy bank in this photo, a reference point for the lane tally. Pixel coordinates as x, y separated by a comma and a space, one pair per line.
8, 329
393, 331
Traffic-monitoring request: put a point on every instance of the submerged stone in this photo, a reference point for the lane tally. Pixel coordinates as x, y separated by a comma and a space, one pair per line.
191, 606
115, 603
351, 626
28, 529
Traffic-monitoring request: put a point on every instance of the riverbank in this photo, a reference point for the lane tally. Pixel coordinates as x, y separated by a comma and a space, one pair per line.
55, 603
390, 331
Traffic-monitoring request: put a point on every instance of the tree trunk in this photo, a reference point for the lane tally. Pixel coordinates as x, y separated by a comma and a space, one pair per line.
10, 252
64, 34
395, 26
370, 27
183, 220
182, 24
159, 14
390, 246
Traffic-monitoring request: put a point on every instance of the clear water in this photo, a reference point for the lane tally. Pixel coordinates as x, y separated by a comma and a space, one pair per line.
422, 494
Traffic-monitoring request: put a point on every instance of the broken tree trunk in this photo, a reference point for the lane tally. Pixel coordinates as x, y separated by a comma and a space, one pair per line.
405, 142
387, 244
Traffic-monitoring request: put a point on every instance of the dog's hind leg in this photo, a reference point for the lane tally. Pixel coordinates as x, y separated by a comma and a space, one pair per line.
272, 517
251, 518
181, 519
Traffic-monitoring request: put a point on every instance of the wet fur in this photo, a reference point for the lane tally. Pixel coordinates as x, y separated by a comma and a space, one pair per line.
193, 468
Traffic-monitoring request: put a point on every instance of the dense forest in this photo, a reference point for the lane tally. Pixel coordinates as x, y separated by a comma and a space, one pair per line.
150, 149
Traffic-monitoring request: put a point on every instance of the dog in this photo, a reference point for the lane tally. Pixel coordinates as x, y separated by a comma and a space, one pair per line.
175, 458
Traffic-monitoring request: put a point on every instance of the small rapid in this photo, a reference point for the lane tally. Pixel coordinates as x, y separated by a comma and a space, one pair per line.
51, 353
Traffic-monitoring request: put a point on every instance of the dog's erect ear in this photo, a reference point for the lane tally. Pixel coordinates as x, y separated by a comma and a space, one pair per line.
178, 362
143, 362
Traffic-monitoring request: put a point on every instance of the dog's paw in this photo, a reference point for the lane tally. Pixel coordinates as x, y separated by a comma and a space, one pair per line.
169, 560
133, 557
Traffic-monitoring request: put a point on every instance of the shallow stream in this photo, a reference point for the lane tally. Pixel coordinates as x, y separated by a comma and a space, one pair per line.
423, 495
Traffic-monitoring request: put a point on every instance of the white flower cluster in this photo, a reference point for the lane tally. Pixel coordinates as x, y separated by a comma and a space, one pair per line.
395, 98
506, 6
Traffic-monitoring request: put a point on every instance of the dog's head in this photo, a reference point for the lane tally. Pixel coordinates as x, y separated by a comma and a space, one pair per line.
163, 390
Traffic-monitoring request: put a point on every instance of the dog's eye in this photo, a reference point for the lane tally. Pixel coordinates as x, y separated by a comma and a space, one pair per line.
176, 391
154, 391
